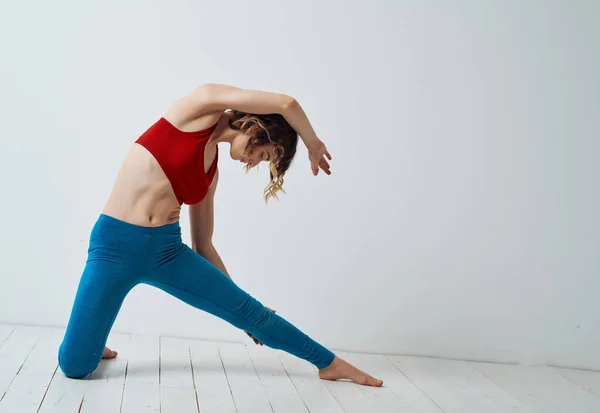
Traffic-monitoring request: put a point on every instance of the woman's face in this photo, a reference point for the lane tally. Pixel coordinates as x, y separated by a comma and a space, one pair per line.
262, 153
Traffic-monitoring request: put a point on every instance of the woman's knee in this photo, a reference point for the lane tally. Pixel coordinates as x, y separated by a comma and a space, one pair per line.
76, 366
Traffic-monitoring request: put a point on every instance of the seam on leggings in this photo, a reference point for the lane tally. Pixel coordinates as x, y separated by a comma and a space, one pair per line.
235, 315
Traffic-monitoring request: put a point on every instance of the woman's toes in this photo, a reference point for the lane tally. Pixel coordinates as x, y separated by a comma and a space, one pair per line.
109, 354
371, 381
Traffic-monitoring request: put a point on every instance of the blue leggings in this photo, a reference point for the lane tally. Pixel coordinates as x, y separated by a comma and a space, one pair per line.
122, 255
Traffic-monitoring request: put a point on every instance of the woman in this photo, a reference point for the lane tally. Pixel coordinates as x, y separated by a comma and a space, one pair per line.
137, 238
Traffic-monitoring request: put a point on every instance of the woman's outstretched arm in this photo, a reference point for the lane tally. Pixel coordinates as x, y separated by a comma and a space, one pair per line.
214, 98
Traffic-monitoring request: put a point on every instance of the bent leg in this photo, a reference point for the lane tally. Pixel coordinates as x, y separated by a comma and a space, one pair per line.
98, 300
106, 280
194, 280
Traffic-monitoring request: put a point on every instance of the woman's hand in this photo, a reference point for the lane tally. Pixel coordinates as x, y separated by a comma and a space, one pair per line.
258, 343
317, 152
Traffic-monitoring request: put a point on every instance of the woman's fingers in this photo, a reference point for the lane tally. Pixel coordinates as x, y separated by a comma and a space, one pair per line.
258, 343
322, 164
325, 166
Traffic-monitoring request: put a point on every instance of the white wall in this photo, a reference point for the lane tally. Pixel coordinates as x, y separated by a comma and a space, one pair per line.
461, 217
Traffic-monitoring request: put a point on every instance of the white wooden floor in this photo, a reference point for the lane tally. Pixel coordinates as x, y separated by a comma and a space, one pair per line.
160, 374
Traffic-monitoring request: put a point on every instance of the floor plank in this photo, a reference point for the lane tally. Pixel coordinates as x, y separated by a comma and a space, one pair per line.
349, 396
587, 380
142, 392
5, 332
210, 380
104, 393
398, 394
178, 400
246, 388
478, 382
14, 353
143, 360
310, 387
64, 395
102, 397
177, 392
541, 388
28, 388
175, 363
445, 387
280, 390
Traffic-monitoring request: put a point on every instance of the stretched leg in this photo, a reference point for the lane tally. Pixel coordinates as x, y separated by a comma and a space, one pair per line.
194, 280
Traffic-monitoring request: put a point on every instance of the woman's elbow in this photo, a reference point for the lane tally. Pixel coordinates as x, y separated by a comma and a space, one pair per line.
203, 246
288, 103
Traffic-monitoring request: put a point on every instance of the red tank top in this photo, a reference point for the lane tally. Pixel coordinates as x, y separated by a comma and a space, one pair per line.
181, 156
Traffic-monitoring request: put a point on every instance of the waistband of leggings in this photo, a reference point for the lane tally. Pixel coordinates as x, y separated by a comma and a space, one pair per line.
116, 224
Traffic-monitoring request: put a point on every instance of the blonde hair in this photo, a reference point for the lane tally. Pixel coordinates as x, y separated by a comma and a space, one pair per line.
269, 129
275, 183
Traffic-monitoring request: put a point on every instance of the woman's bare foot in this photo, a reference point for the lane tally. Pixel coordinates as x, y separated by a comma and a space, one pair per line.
109, 354
341, 369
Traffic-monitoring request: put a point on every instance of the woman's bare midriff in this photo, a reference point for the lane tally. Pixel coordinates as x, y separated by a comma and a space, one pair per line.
142, 194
